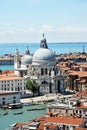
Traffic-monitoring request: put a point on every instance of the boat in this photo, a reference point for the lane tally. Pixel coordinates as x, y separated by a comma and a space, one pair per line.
15, 106
36, 109
32, 109
18, 113
6, 113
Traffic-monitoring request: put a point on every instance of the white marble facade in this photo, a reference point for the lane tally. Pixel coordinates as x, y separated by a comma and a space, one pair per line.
41, 67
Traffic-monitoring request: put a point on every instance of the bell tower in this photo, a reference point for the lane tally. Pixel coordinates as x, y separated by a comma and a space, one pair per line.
16, 62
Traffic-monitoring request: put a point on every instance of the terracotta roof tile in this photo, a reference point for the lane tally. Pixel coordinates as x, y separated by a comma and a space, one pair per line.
9, 76
81, 94
41, 126
64, 120
80, 128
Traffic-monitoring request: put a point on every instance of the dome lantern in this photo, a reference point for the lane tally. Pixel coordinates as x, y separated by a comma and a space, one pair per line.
27, 51
43, 43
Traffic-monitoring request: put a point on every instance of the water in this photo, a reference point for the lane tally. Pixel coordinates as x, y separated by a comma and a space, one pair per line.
6, 67
58, 48
7, 120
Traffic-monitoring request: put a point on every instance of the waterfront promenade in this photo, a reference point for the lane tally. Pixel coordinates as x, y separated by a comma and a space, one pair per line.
41, 99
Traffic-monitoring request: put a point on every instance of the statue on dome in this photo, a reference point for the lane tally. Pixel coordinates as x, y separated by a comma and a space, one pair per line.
27, 51
43, 43
16, 52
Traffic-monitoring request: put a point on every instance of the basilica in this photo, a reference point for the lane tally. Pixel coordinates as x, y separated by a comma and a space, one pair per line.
40, 68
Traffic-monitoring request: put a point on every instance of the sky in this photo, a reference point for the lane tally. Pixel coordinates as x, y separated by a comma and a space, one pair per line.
26, 20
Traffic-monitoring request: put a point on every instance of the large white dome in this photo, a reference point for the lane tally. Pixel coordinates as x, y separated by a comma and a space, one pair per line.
26, 59
43, 54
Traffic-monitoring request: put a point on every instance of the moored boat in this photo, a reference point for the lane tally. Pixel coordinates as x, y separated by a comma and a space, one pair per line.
18, 113
6, 113
36, 109
15, 106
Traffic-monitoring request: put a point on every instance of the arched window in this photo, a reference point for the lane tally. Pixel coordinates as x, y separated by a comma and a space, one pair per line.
3, 102
18, 89
42, 71
50, 71
14, 97
44, 82
45, 70
3, 98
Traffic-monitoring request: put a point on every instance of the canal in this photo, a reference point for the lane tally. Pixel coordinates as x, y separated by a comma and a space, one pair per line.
8, 116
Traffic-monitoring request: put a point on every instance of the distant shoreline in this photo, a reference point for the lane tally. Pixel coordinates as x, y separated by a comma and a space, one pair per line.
47, 42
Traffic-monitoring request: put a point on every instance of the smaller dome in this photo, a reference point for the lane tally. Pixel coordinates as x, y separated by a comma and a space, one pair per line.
26, 59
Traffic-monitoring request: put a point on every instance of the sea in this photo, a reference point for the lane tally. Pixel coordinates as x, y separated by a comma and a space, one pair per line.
57, 48
8, 48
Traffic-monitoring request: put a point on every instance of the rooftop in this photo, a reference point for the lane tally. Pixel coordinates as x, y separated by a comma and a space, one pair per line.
9, 75
7, 92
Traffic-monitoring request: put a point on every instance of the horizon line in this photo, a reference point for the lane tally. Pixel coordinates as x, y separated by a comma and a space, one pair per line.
39, 42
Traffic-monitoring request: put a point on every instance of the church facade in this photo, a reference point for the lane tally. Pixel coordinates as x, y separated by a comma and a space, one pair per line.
40, 68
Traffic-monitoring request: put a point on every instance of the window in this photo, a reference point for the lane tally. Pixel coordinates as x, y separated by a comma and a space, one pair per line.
18, 89
45, 70
3, 98
50, 71
44, 82
14, 97
24, 88
42, 71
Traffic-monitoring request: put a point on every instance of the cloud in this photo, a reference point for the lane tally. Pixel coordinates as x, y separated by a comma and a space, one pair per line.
14, 32
70, 29
6, 32
46, 28
31, 30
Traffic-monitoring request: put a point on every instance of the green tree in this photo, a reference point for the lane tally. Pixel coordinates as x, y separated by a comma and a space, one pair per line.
32, 86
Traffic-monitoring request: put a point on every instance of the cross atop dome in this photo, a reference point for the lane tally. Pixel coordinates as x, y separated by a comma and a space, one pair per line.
43, 43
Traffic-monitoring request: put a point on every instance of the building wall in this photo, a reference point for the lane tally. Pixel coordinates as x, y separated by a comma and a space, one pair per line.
9, 98
13, 85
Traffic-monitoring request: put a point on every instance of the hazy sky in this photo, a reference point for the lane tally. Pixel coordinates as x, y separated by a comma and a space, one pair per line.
26, 20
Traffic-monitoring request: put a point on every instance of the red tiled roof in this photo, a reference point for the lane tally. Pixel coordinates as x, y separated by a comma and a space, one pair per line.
65, 120
80, 128
84, 93
51, 126
18, 125
41, 126
9, 76
82, 106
